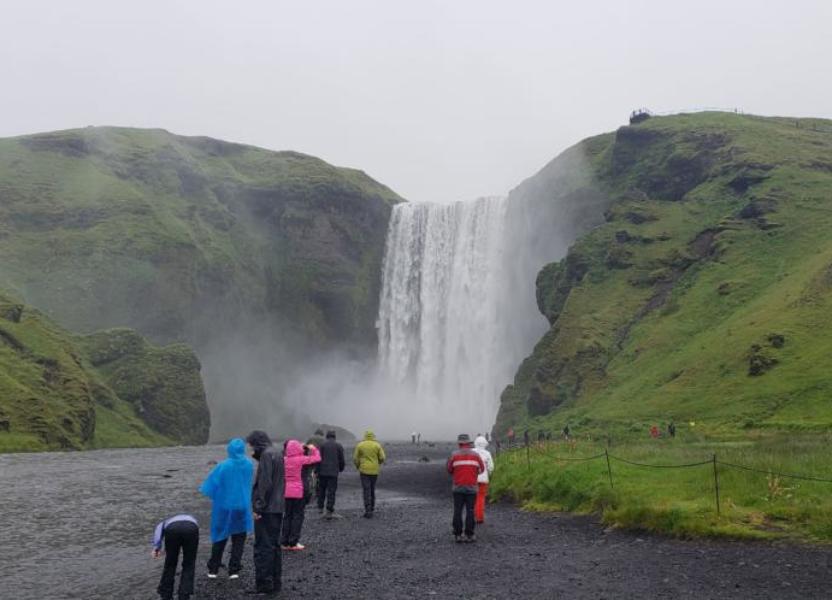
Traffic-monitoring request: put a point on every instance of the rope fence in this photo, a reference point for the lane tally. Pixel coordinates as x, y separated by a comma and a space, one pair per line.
713, 461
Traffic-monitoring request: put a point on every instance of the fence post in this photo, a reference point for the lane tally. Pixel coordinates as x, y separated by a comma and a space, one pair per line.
609, 469
716, 486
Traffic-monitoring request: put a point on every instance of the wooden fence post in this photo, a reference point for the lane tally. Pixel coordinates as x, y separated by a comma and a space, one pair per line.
716, 486
609, 468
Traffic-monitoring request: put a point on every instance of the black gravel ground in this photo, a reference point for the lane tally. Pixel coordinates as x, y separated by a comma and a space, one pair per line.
407, 552
76, 526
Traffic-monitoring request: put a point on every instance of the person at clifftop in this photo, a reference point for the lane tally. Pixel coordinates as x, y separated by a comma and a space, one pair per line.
332, 464
268, 505
297, 457
465, 465
228, 486
480, 447
368, 457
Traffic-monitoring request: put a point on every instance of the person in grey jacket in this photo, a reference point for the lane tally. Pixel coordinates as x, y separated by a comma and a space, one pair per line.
332, 464
267, 505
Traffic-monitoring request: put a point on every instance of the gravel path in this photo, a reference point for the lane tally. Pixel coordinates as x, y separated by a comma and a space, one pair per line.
77, 526
407, 552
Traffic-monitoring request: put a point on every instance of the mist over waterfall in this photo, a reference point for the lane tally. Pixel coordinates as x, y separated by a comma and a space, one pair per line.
457, 310
452, 330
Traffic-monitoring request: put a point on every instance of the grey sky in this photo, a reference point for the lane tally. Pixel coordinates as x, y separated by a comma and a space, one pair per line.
441, 100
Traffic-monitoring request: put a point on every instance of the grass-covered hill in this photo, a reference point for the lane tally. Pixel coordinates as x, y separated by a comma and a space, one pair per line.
257, 259
104, 227
704, 296
107, 389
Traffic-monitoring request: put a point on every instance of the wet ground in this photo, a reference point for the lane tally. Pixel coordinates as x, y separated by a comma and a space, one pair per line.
77, 526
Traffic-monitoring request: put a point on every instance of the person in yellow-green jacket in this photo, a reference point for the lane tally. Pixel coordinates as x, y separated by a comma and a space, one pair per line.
368, 458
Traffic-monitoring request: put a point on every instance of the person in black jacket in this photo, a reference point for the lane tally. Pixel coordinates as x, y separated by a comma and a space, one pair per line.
267, 505
332, 463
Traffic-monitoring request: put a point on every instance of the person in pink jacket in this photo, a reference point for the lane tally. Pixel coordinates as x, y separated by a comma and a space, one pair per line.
295, 457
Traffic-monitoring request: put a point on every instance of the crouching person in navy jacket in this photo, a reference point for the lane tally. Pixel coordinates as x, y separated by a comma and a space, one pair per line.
179, 533
465, 465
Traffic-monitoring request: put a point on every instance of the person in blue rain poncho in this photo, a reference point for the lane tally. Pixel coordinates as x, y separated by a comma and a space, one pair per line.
229, 488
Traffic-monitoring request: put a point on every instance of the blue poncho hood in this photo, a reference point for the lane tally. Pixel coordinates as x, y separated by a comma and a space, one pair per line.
228, 486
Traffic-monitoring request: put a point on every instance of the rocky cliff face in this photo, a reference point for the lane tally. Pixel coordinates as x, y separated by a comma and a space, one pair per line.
712, 240
59, 391
250, 256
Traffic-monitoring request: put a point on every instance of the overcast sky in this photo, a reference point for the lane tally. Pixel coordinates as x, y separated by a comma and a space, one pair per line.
440, 100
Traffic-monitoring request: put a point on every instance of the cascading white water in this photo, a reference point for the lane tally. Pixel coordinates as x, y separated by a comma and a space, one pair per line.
443, 328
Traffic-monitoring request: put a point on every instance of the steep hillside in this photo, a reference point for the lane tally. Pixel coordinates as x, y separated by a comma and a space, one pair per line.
704, 295
125, 227
257, 259
58, 391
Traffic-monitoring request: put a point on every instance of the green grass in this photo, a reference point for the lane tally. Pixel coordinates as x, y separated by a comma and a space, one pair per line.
118, 427
681, 502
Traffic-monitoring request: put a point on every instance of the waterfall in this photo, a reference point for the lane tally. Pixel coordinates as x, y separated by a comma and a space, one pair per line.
446, 323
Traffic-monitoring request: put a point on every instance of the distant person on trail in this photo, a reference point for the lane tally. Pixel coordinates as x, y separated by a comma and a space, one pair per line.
480, 446
526, 437
368, 458
465, 465
418, 439
228, 486
654, 432
565, 431
510, 435
671, 429
179, 533
296, 457
332, 464
268, 505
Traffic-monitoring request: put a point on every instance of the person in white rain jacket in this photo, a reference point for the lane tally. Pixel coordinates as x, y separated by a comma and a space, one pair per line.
480, 446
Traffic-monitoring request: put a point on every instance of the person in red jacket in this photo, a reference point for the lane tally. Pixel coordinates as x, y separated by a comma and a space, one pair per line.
465, 465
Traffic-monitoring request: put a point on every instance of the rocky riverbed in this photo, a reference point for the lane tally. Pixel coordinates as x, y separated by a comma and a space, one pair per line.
78, 525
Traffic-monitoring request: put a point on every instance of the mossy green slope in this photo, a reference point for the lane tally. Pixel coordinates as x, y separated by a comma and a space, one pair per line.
704, 296
52, 396
106, 227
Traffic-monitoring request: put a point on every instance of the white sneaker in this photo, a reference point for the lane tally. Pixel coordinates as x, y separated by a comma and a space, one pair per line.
212, 575
234, 576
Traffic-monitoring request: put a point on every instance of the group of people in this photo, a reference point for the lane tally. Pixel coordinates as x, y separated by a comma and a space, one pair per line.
269, 499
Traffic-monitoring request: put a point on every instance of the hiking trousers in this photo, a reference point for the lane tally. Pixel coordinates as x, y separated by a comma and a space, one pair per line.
267, 559
180, 536
238, 543
479, 506
368, 484
464, 500
293, 515
327, 486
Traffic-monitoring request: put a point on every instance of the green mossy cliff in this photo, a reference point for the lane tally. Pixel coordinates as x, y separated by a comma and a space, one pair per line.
108, 389
175, 236
704, 295
258, 260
